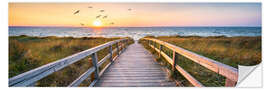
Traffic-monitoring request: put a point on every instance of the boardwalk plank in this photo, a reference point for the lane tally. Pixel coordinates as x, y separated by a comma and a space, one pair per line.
134, 78
136, 84
135, 68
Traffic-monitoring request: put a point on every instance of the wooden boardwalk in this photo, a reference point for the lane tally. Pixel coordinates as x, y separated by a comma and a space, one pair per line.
132, 67
135, 68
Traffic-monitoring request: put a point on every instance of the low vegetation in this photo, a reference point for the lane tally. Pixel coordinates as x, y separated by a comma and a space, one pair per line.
232, 51
26, 53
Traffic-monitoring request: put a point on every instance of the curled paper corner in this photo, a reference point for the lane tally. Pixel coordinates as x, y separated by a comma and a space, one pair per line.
249, 76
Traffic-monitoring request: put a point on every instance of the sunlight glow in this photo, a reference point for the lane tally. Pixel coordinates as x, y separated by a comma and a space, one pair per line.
97, 23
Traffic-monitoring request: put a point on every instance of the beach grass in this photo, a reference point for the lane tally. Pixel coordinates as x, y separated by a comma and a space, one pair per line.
27, 52
232, 51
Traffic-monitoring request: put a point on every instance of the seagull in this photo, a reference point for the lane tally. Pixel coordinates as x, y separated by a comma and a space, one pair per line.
76, 12
98, 16
90, 7
105, 17
102, 10
129, 9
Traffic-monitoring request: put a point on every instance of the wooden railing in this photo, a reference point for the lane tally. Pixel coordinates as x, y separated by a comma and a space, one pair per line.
229, 72
31, 77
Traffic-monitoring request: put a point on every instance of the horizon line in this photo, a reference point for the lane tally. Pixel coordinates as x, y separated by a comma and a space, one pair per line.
132, 26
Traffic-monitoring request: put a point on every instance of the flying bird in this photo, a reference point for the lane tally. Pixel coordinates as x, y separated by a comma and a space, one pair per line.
76, 12
82, 24
98, 16
129, 9
90, 7
102, 10
105, 17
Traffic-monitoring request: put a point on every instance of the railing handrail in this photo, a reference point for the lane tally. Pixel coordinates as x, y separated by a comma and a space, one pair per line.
227, 71
30, 77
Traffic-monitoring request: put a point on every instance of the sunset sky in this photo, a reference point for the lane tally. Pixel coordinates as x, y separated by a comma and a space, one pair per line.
141, 15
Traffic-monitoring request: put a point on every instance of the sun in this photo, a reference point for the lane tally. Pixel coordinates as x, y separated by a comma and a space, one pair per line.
97, 23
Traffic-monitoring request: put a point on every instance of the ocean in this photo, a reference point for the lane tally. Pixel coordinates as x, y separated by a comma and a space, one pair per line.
134, 32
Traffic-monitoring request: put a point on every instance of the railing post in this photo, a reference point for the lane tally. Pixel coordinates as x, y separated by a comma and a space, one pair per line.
121, 46
117, 47
174, 58
111, 53
94, 61
160, 50
126, 43
229, 83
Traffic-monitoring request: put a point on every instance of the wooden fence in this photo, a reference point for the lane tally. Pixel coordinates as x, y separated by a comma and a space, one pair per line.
229, 72
31, 77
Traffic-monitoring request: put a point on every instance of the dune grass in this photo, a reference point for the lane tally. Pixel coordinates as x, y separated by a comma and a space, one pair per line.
232, 51
26, 53
228, 50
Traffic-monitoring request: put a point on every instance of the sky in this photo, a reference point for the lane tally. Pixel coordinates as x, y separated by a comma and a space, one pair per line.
140, 15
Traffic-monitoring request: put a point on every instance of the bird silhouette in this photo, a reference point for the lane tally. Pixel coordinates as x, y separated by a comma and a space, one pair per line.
76, 12
82, 24
102, 10
129, 9
90, 7
98, 16
112, 23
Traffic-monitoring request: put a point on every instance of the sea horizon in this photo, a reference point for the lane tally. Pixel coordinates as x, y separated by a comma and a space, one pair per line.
132, 26
134, 32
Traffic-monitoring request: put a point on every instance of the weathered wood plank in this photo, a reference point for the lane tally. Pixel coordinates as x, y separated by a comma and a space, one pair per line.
132, 73
134, 78
93, 83
136, 67
190, 78
137, 84
134, 70
82, 77
174, 60
111, 51
105, 58
141, 81
91, 70
164, 55
230, 83
95, 61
